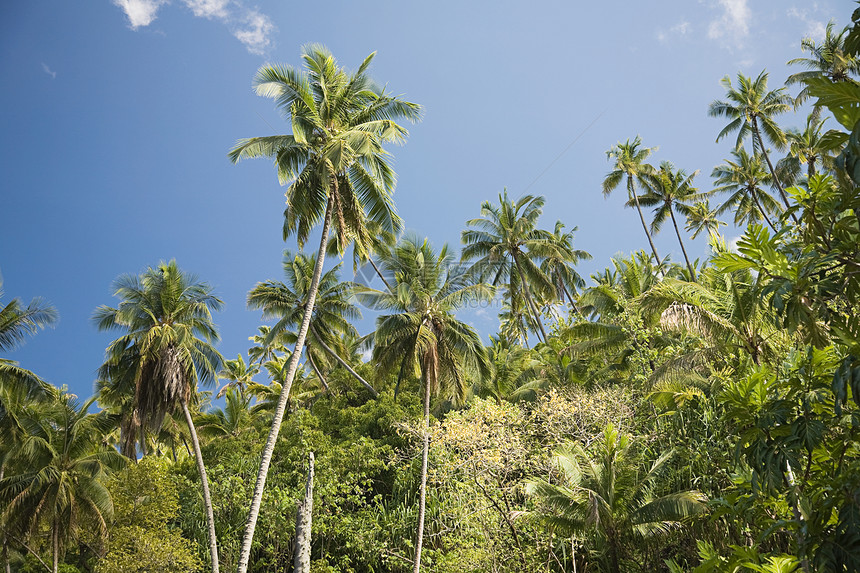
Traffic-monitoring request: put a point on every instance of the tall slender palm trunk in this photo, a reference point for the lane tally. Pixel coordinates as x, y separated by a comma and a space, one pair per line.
772, 170
343, 362
55, 543
204, 481
269, 447
761, 210
683, 250
642, 219
528, 294
422, 490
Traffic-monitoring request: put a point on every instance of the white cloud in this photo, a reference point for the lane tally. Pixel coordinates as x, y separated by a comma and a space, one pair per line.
815, 29
49, 71
733, 24
140, 12
680, 29
249, 26
256, 32
209, 8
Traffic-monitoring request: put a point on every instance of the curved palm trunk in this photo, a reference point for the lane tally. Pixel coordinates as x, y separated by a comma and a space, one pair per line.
528, 294
318, 373
642, 219
269, 447
422, 490
342, 362
379, 274
683, 250
770, 167
760, 210
207, 500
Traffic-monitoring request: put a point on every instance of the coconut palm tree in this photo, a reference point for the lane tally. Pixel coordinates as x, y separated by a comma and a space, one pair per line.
747, 179
239, 374
337, 168
558, 265
828, 59
508, 245
605, 492
166, 351
630, 162
422, 336
809, 147
62, 485
700, 217
671, 190
332, 313
752, 109
16, 323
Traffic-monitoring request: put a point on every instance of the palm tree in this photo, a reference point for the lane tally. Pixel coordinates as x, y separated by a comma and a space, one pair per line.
630, 161
670, 190
700, 217
507, 244
167, 350
747, 180
331, 316
606, 493
422, 336
239, 374
16, 322
829, 59
230, 420
63, 483
337, 168
807, 147
557, 266
751, 109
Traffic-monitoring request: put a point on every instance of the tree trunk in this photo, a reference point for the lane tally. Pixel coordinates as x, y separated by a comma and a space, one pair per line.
269, 447
342, 362
422, 490
204, 482
317, 371
642, 219
304, 517
379, 274
528, 294
55, 542
760, 210
770, 167
683, 250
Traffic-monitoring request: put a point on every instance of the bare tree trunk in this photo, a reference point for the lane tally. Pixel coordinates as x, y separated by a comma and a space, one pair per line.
318, 373
683, 250
342, 362
761, 210
269, 447
422, 490
55, 542
304, 517
642, 219
757, 135
528, 294
204, 481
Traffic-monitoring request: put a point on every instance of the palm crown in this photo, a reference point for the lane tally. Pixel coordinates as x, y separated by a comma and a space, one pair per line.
334, 155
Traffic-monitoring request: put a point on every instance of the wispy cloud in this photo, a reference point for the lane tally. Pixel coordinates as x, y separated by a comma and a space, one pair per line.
140, 12
248, 25
815, 29
256, 32
209, 8
49, 71
680, 29
733, 25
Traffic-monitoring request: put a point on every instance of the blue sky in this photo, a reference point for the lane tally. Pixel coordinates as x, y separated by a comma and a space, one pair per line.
118, 115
